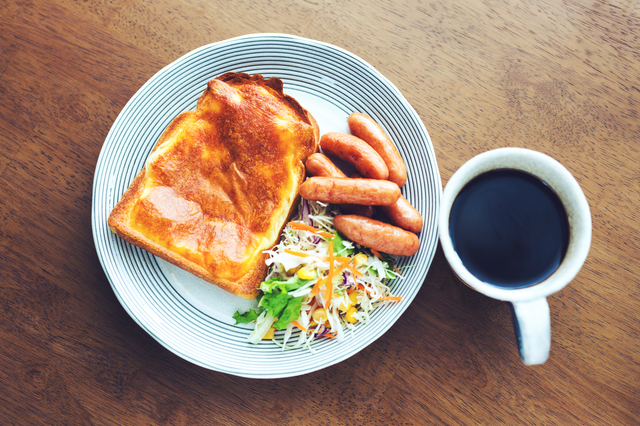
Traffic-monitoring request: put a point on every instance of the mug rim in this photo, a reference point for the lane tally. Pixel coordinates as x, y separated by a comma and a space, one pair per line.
560, 180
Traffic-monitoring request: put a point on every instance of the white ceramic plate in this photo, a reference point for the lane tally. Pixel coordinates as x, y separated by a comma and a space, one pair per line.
192, 318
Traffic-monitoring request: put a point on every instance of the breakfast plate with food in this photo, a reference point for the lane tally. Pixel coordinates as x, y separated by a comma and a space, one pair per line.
265, 206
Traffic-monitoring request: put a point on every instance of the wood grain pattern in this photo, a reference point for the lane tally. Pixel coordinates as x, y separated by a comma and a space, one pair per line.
558, 77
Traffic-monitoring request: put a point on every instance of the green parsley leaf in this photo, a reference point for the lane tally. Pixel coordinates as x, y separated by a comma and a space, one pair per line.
278, 283
249, 316
275, 302
339, 248
290, 313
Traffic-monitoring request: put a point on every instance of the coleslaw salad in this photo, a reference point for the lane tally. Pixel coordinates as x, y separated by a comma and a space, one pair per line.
318, 282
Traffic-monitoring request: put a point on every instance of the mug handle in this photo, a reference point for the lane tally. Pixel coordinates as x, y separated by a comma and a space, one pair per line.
532, 326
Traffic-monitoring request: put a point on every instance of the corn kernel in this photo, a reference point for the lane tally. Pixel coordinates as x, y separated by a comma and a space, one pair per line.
343, 307
270, 334
349, 315
319, 315
359, 259
353, 297
352, 300
306, 273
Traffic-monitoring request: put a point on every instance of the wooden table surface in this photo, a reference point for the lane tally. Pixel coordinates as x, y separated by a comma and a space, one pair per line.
558, 77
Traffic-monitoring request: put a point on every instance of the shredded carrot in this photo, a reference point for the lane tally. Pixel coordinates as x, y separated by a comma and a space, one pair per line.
329, 335
329, 290
296, 253
316, 287
394, 298
325, 258
297, 324
376, 254
304, 227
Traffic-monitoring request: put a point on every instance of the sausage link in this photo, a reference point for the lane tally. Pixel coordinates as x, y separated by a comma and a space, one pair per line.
357, 152
368, 192
319, 165
404, 215
367, 129
377, 235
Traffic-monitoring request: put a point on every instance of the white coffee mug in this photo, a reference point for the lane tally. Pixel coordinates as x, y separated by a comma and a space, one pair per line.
530, 307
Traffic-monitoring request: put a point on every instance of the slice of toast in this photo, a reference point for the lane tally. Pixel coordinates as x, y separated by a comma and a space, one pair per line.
221, 182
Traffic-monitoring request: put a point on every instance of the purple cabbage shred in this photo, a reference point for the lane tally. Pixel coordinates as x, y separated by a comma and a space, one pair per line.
320, 331
306, 211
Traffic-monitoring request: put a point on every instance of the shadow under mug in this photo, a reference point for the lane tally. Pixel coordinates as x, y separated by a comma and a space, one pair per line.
532, 324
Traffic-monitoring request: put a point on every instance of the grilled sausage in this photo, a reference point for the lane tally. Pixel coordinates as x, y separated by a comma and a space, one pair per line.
404, 215
319, 165
368, 192
377, 235
357, 152
367, 129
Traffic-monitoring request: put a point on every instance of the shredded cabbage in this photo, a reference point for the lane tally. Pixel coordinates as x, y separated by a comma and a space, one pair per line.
296, 286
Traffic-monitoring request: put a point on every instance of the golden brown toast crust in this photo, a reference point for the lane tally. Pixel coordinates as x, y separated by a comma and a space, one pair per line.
221, 182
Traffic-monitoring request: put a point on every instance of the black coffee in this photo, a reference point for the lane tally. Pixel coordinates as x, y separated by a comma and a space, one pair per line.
509, 228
